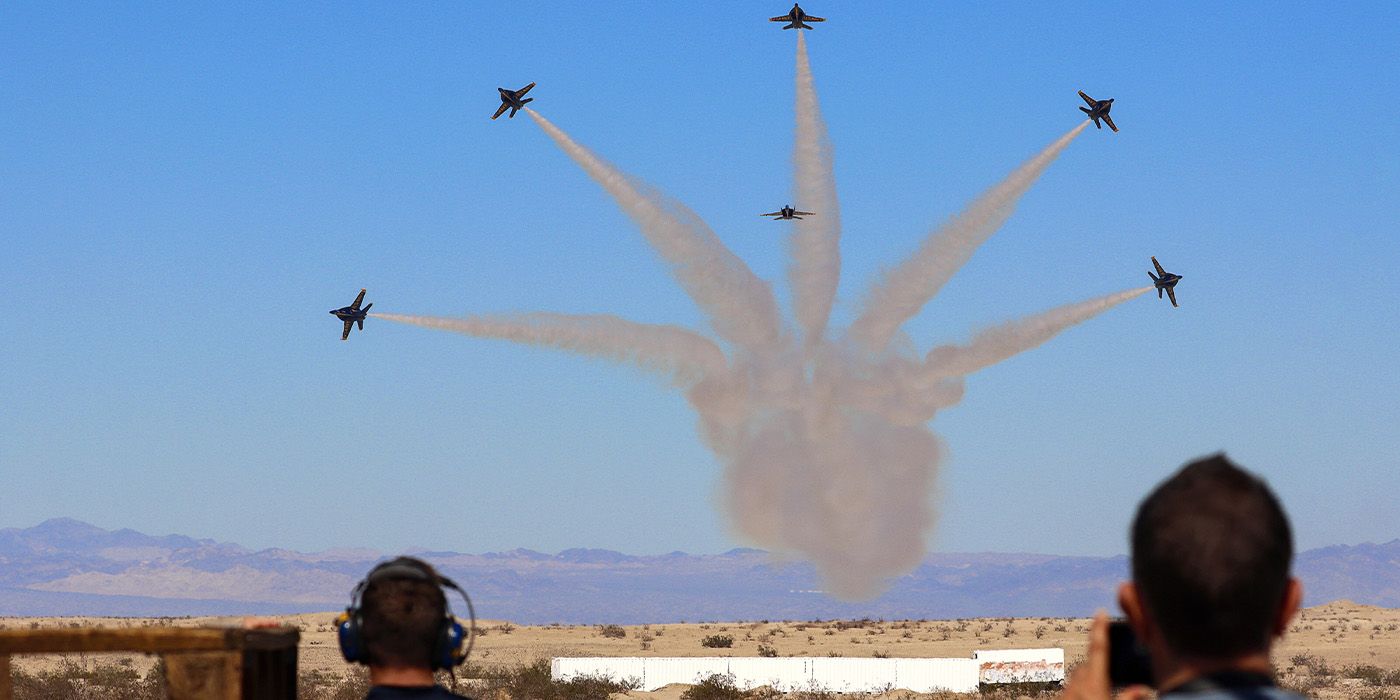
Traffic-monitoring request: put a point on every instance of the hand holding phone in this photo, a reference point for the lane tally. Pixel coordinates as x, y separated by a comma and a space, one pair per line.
1128, 662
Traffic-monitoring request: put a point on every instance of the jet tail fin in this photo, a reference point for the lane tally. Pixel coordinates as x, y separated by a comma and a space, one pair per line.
361, 323
368, 306
1084, 110
1154, 277
528, 99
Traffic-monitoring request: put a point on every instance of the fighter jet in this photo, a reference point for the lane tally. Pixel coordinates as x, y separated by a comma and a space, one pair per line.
787, 213
1164, 280
510, 99
796, 18
352, 314
1098, 109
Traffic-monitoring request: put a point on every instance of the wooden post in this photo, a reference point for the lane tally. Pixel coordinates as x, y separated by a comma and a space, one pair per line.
208, 675
6, 691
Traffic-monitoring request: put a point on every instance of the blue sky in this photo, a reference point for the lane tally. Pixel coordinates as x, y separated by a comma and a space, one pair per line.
188, 187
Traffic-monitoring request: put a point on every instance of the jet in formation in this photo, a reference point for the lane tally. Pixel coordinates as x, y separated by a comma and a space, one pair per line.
510, 99
352, 315
788, 213
796, 18
1164, 280
1098, 109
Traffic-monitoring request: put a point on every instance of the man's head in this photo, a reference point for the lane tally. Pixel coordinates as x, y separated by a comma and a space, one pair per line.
403, 614
1211, 550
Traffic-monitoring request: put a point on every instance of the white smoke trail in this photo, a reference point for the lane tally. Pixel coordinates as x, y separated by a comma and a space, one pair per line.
740, 306
815, 242
670, 350
999, 343
907, 288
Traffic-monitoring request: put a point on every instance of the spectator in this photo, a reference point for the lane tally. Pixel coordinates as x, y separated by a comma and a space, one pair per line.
399, 625
1210, 589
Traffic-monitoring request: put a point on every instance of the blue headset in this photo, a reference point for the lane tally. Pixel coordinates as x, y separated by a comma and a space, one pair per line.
453, 642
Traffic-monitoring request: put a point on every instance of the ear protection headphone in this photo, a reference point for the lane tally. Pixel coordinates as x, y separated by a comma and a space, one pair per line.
453, 642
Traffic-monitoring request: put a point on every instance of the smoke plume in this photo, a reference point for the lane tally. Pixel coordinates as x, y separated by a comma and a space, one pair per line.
826, 447
676, 352
905, 289
740, 305
998, 343
815, 243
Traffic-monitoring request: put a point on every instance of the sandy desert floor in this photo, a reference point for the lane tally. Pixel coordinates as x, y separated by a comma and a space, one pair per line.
1339, 635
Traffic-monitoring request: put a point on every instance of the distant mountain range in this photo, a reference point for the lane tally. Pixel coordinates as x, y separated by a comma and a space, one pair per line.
67, 567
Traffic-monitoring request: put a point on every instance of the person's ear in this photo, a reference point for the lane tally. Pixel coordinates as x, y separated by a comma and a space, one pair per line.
1292, 600
1131, 603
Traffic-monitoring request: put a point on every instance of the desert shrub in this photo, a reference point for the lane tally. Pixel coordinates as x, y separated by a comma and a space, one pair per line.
612, 631
1374, 694
717, 641
881, 654
505, 628
767, 651
72, 681
532, 681
716, 687
330, 686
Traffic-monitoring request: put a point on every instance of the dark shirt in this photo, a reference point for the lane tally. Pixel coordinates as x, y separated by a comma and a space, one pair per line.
422, 692
1230, 686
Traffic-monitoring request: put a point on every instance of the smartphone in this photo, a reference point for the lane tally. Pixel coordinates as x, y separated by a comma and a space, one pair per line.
1128, 663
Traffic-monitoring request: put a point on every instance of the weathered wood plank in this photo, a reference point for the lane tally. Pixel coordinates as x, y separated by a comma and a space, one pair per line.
152, 640
206, 675
6, 691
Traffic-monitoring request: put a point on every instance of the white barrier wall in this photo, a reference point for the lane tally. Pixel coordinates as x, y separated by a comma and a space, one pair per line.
785, 674
1021, 665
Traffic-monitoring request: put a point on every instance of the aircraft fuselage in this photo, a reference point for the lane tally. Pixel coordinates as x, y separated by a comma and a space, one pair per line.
348, 314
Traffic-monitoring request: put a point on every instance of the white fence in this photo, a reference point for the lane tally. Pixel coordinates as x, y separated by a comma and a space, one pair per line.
785, 674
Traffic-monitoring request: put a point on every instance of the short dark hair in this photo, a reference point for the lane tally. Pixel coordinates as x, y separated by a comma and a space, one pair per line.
1211, 556
403, 619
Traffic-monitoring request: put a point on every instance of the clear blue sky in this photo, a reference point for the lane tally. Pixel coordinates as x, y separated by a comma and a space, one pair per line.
186, 188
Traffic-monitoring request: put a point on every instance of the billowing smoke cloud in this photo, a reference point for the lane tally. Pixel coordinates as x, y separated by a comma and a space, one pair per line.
741, 307
905, 289
827, 451
676, 352
998, 343
815, 243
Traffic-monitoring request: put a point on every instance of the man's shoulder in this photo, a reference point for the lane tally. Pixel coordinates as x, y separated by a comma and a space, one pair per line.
1266, 692
390, 692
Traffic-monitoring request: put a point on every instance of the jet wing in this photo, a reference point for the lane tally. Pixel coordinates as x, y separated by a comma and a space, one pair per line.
502, 110
772, 213
361, 297
1160, 271
521, 92
785, 18
346, 334
810, 18
1087, 99
1109, 121
804, 213
1171, 292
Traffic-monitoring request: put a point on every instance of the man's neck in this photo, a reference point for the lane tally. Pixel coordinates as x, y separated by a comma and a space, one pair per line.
1176, 672
401, 676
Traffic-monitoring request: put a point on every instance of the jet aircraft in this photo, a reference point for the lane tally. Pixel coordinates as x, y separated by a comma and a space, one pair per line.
787, 213
352, 314
1098, 109
510, 99
1164, 280
796, 18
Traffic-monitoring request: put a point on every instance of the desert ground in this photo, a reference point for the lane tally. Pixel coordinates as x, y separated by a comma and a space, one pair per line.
1324, 645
